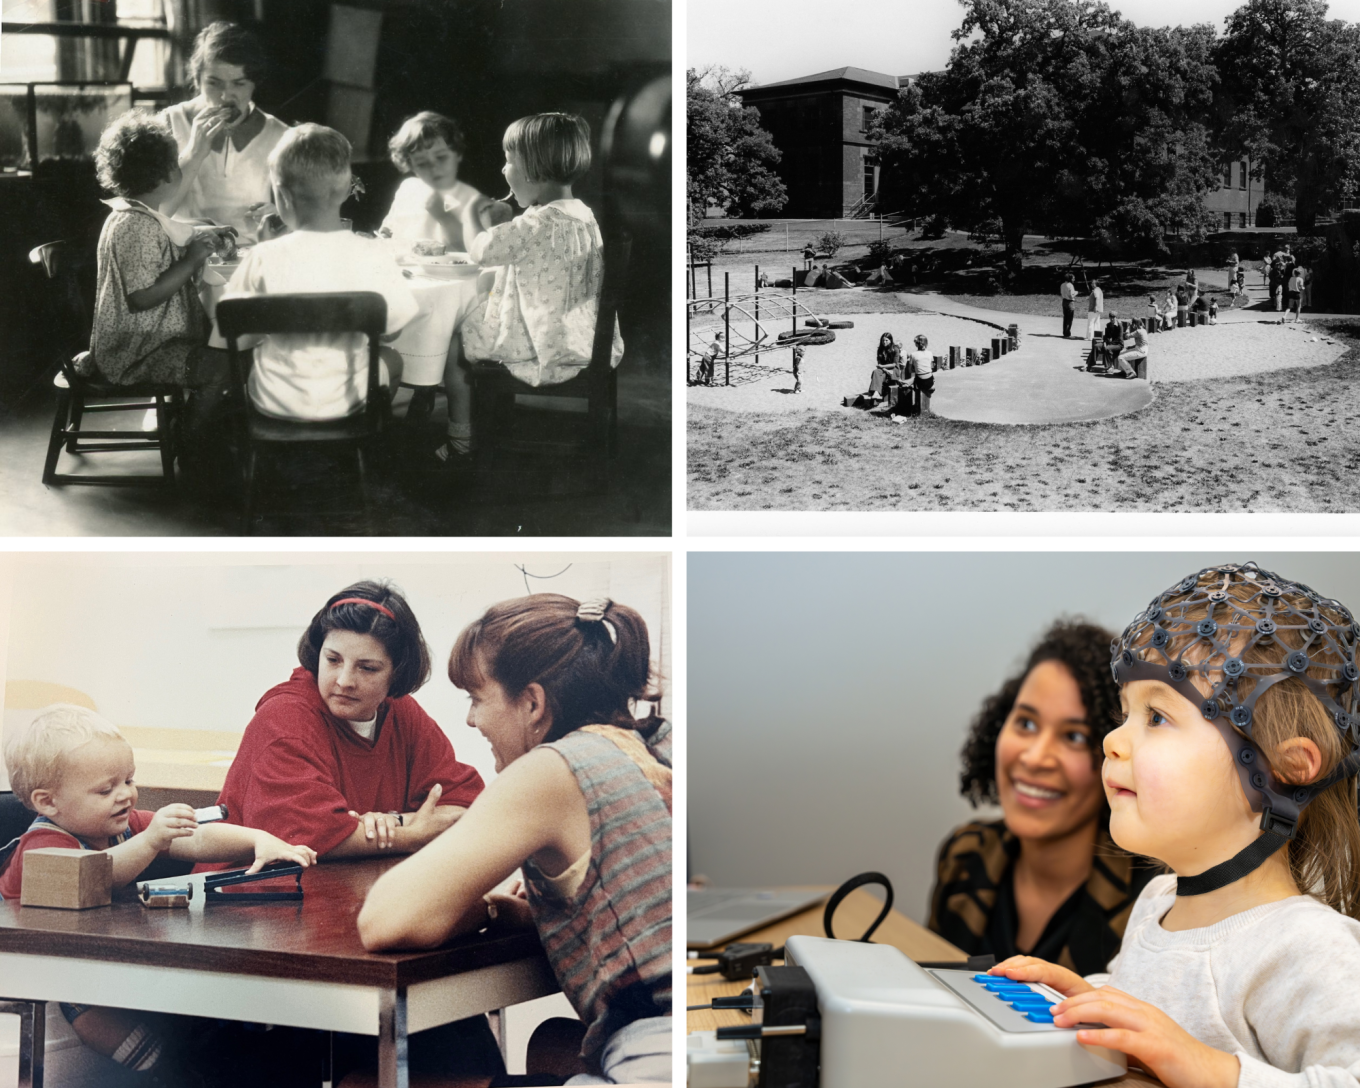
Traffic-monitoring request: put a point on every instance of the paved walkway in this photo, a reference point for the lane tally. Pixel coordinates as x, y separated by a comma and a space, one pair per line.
1044, 382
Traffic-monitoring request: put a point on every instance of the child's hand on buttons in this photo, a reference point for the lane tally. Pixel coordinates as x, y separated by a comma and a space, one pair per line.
269, 848
1029, 969
380, 828
171, 823
1149, 1036
507, 912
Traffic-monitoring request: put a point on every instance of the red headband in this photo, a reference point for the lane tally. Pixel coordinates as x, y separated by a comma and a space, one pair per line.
364, 600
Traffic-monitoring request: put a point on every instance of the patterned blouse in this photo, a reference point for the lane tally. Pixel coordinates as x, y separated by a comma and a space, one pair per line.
609, 940
152, 345
973, 903
540, 317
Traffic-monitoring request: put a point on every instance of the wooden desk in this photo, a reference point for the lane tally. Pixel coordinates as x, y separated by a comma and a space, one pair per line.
853, 917
296, 964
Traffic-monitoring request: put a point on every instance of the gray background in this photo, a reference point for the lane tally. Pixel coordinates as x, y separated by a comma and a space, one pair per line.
830, 693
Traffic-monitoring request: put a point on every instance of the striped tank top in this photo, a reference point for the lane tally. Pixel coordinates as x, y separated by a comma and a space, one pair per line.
610, 943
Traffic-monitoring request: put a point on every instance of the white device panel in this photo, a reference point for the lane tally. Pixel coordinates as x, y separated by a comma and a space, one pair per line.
892, 1024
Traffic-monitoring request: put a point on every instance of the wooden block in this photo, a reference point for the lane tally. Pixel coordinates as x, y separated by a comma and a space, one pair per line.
55, 876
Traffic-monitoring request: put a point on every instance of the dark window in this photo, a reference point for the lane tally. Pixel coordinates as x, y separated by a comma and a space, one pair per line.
1227, 220
1242, 174
869, 112
869, 187
1241, 219
1227, 176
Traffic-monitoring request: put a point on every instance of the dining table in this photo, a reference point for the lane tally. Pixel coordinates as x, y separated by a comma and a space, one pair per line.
446, 295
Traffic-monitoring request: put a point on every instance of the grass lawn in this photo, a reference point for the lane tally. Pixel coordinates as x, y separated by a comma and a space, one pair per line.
1263, 443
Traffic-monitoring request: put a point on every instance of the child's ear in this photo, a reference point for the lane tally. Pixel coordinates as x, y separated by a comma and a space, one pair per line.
43, 802
1298, 760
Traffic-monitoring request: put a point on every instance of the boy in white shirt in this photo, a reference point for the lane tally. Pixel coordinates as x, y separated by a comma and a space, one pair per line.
318, 376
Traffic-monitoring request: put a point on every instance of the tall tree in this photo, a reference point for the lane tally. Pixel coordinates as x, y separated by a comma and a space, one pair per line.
1290, 99
730, 159
1060, 116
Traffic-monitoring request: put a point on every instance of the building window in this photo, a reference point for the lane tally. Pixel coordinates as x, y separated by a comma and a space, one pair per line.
869, 112
870, 184
1227, 220
1242, 174
1241, 219
1227, 176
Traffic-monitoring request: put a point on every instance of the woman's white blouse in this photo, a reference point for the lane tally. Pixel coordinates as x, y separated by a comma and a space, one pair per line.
228, 182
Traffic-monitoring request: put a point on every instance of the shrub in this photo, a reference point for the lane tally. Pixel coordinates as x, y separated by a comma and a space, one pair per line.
986, 233
1265, 214
933, 228
727, 232
880, 252
829, 242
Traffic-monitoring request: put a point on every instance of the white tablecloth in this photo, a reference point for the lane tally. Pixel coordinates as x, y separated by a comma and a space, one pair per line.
424, 342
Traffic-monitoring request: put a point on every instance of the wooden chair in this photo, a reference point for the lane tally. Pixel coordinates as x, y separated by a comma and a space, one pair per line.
508, 414
352, 311
78, 394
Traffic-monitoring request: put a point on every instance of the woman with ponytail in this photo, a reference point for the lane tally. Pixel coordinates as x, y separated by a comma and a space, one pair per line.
581, 803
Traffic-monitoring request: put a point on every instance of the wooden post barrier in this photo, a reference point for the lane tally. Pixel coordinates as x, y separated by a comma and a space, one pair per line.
996, 348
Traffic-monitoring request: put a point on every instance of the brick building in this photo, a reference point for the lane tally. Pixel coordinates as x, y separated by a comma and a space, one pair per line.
819, 123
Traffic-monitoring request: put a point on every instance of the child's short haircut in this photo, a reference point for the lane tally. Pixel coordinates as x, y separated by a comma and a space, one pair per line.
419, 132
136, 153
551, 146
312, 163
35, 753
377, 609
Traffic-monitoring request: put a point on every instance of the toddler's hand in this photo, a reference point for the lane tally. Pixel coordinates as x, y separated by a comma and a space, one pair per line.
1148, 1035
199, 249
171, 823
434, 204
1029, 969
496, 212
269, 848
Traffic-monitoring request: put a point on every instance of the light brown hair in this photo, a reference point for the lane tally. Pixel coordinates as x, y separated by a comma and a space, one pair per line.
591, 671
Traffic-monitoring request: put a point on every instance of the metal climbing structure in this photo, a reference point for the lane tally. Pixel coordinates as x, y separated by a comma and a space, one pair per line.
751, 324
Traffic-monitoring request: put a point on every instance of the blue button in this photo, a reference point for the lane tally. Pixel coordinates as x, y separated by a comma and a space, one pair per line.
1024, 1004
1039, 1017
1005, 984
984, 978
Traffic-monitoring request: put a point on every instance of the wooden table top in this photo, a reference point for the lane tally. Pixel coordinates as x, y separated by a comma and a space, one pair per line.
316, 939
853, 917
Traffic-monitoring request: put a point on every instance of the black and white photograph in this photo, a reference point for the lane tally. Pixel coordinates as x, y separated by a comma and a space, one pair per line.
298, 268
1023, 256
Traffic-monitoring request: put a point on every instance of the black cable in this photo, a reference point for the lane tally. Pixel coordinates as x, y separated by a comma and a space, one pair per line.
849, 886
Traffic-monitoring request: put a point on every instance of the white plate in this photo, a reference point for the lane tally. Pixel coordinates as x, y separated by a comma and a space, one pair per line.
443, 260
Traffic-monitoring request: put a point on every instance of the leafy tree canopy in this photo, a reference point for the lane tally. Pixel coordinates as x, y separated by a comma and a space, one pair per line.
730, 159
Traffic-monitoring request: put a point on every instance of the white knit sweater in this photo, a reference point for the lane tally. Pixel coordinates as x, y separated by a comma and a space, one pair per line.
1278, 985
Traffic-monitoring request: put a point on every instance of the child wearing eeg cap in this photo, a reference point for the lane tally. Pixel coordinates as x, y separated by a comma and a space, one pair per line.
1235, 766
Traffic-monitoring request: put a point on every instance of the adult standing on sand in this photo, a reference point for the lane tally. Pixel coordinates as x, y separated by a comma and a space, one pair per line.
1068, 291
1095, 310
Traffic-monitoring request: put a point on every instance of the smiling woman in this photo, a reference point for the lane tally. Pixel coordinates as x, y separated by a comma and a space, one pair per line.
1046, 876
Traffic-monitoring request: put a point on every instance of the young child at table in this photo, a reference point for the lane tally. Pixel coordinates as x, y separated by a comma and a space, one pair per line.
74, 770
149, 325
581, 803
318, 376
539, 319
430, 203
1234, 766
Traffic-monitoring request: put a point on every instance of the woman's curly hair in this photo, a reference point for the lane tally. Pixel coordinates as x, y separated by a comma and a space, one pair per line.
1084, 648
136, 153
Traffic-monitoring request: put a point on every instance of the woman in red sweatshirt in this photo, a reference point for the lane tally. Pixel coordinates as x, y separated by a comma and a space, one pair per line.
343, 755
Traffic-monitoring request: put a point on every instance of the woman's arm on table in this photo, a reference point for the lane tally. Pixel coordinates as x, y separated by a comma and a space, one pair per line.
381, 833
437, 893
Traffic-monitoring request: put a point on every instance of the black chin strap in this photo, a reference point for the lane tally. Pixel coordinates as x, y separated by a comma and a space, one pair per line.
1235, 868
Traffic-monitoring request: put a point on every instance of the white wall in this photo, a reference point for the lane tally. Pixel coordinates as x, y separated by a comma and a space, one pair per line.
829, 694
191, 641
